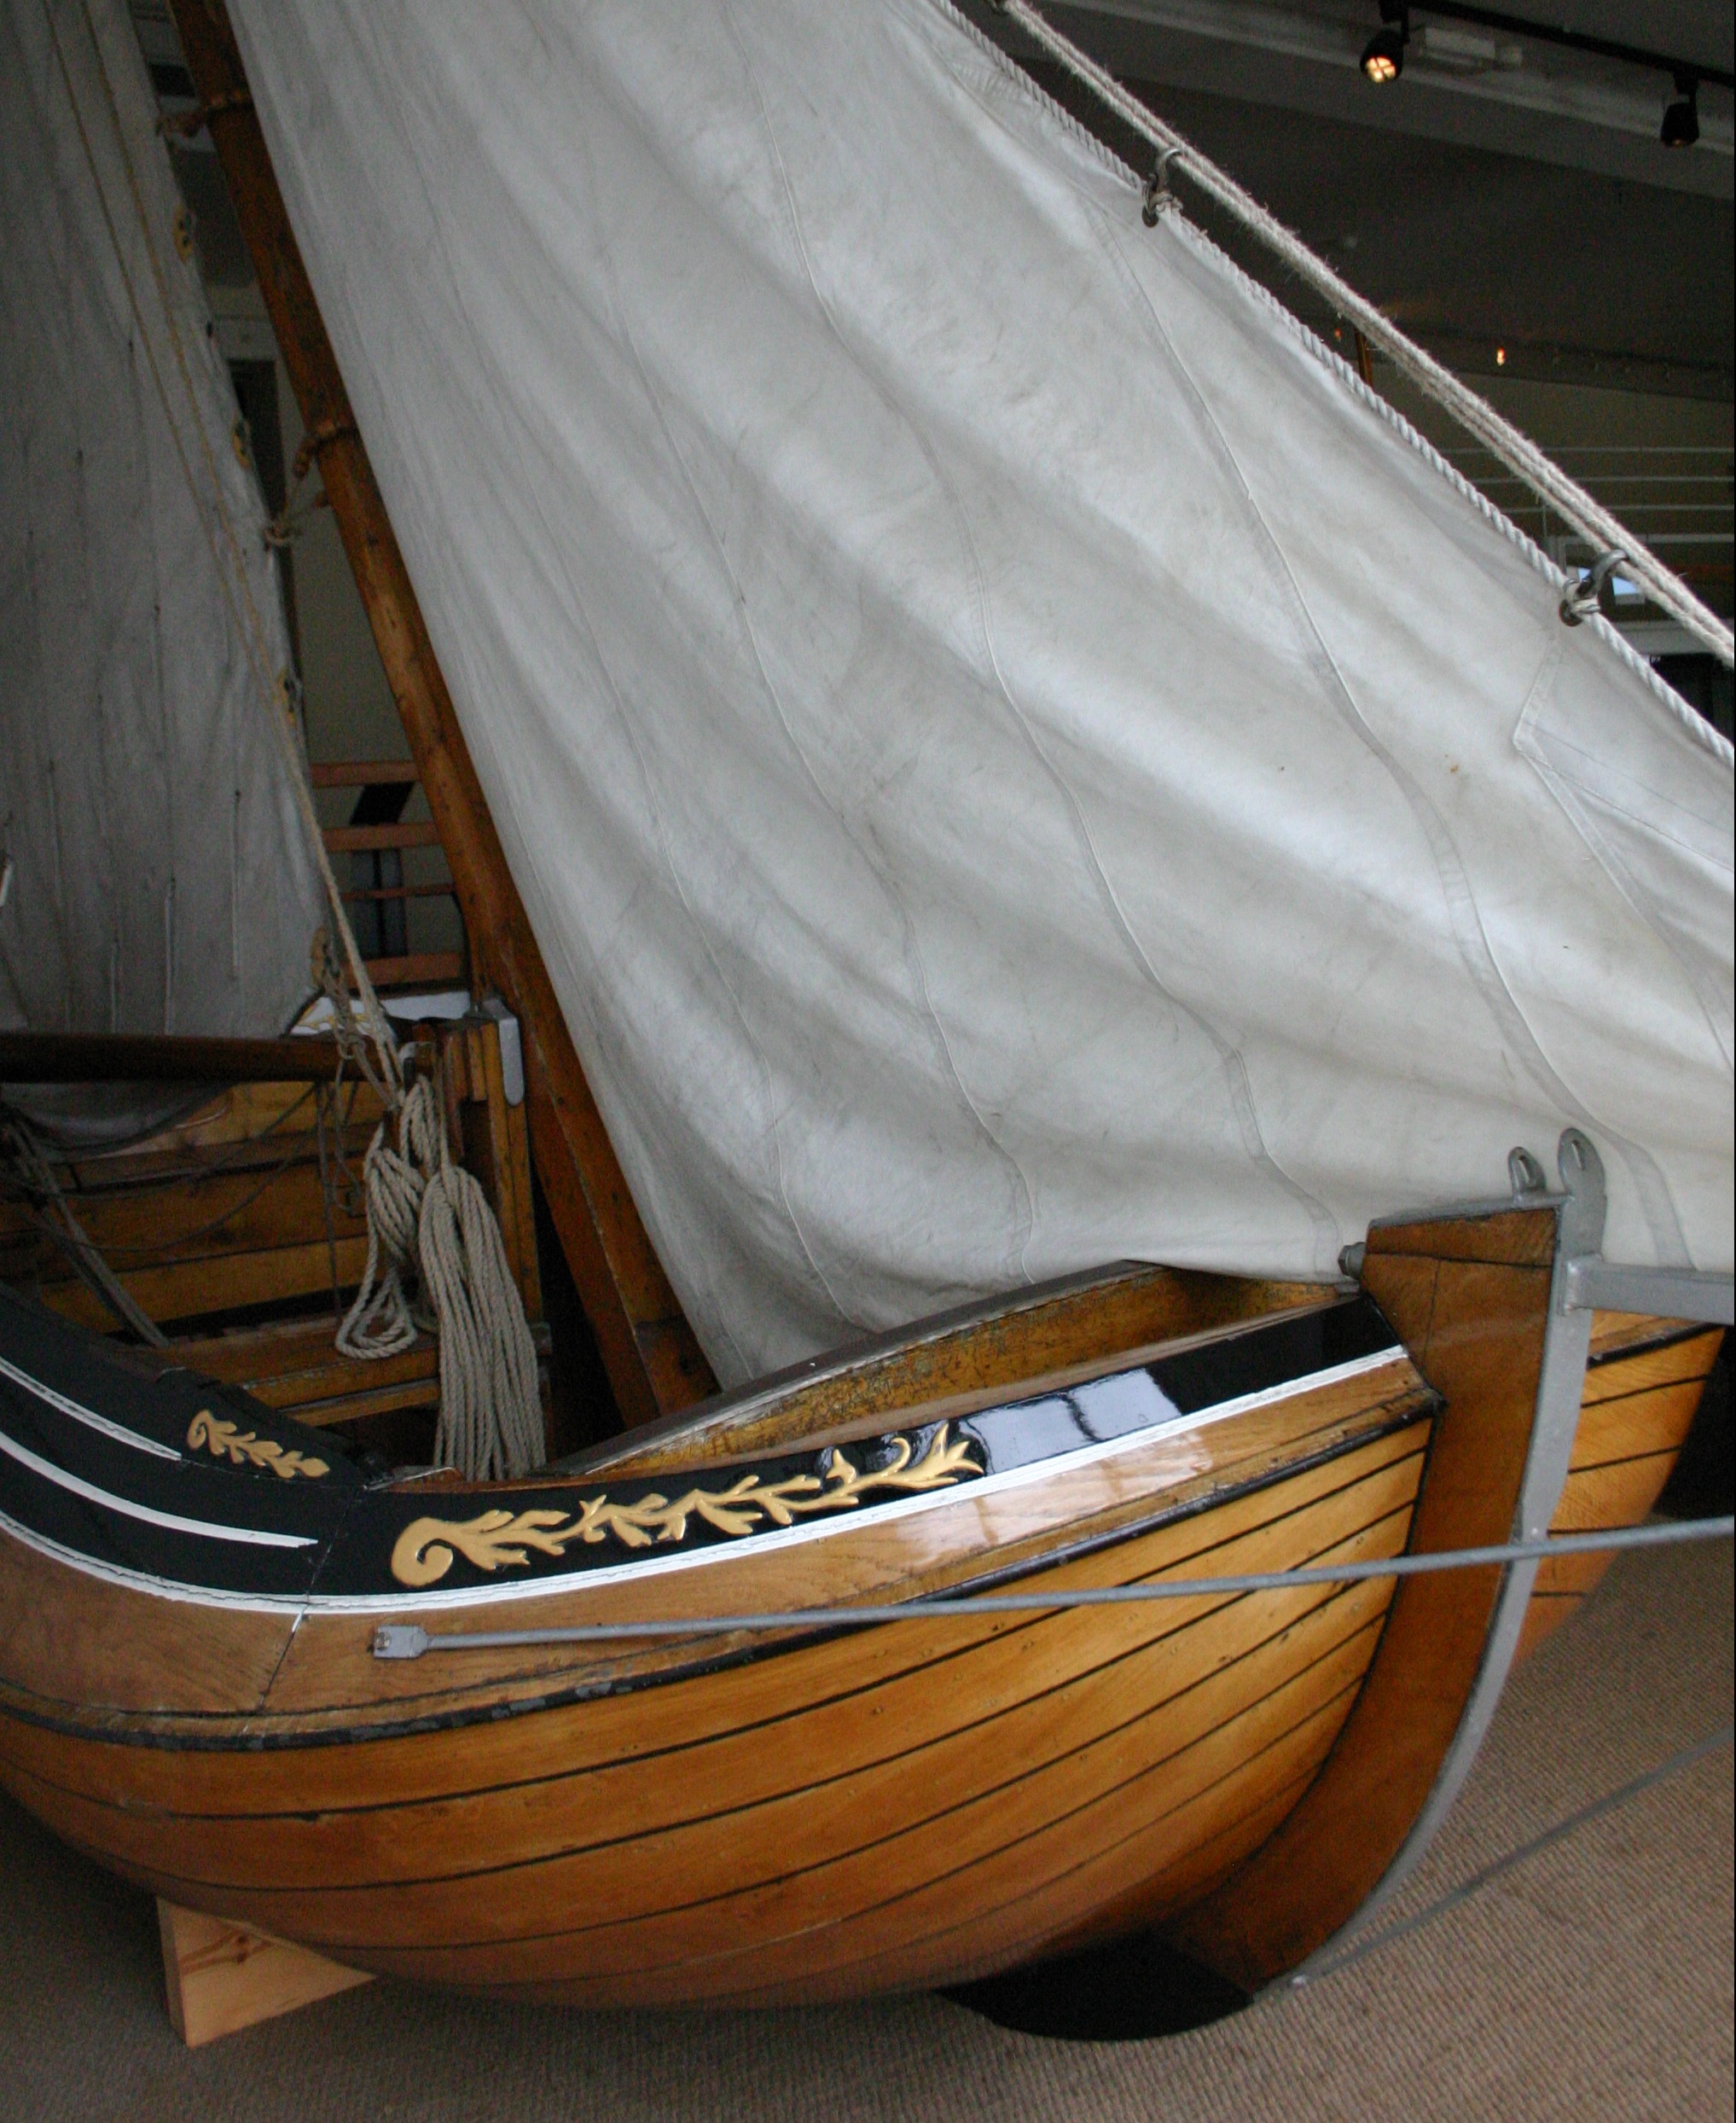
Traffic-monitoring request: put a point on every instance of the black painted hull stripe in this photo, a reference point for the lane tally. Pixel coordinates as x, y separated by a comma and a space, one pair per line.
208, 1732
79, 1413
641, 1568
248, 1536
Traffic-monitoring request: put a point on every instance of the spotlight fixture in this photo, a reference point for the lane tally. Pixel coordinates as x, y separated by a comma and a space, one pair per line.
1682, 118
1383, 56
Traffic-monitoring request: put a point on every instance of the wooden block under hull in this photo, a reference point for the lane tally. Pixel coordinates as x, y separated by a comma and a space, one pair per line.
220, 1977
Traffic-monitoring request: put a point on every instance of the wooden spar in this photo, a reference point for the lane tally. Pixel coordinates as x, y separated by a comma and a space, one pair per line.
651, 1356
103, 1057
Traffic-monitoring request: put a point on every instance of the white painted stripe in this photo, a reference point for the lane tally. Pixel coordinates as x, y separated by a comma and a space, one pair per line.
79, 1413
657, 1565
248, 1536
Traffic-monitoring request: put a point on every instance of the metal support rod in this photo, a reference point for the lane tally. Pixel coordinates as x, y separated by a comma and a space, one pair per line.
1560, 1393
1667, 1293
409, 1640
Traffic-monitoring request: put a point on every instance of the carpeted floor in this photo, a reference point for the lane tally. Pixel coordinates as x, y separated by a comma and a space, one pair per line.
1593, 1982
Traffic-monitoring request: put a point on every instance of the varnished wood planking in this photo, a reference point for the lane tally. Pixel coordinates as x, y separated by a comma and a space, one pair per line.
809, 1851
290, 1362
999, 1699
1614, 1333
65, 1640
868, 1759
421, 1765
996, 1898
1471, 1299
223, 1209
1189, 1877
220, 1283
1639, 1405
923, 1873
1620, 1493
199, 1214
1655, 1419
805, 1714
1066, 1701
330, 1668
1688, 1358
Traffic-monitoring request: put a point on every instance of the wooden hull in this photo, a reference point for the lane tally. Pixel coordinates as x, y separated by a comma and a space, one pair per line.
756, 1818
1642, 1391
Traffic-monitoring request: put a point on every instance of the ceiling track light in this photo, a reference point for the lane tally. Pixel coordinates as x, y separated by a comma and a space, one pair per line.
1682, 118
1383, 56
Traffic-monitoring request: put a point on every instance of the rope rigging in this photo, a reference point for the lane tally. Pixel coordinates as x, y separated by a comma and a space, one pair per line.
1608, 539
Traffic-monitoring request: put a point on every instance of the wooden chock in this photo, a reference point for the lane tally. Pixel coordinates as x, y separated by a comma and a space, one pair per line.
220, 1977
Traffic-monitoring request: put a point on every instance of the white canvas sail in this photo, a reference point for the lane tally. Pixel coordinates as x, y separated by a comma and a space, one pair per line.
1013, 756
158, 877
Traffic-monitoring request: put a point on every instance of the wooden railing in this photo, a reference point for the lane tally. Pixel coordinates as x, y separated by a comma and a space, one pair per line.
388, 784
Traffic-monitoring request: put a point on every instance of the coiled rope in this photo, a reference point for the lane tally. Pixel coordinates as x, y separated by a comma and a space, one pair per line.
1601, 531
435, 1248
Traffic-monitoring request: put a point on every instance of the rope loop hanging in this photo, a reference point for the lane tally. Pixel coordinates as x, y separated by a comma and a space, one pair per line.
437, 1263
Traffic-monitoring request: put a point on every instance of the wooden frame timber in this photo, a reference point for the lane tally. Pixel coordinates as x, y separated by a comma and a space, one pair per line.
648, 1348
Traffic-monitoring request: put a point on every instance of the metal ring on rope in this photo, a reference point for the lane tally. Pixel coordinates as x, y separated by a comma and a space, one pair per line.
1156, 198
1580, 601
1588, 517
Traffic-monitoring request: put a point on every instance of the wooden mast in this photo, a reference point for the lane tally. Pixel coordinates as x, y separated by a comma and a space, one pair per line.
653, 1360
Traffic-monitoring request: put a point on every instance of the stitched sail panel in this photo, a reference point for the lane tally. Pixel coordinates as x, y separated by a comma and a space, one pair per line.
159, 879
1012, 758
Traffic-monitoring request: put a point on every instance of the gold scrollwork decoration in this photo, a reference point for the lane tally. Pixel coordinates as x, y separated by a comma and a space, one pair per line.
500, 1539
228, 1440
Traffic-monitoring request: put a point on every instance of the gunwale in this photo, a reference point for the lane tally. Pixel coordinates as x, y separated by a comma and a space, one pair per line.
1251, 1452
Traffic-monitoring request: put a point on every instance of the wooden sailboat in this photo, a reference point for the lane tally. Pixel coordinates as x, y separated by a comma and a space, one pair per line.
264, 1676
198, 1596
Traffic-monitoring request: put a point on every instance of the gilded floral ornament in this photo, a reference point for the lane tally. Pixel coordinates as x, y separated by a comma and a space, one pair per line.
501, 1539
228, 1440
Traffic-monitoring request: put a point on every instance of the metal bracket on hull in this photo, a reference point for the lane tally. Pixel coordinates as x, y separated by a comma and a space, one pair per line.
1668, 1293
1580, 1280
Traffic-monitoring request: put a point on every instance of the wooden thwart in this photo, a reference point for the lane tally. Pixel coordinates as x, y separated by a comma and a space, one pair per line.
222, 1977
104, 1057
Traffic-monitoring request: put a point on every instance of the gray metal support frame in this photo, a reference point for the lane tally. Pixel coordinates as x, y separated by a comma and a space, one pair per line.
1581, 1280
